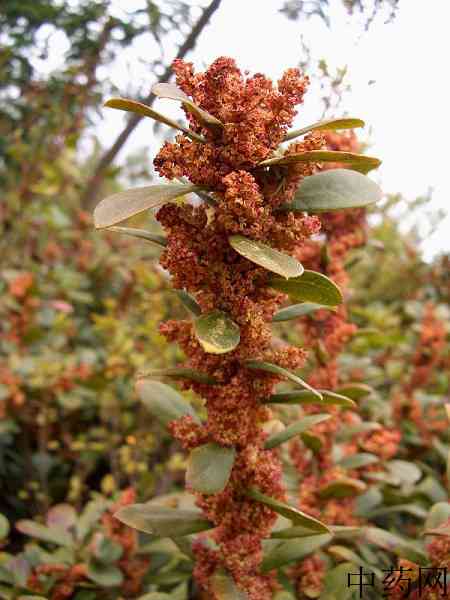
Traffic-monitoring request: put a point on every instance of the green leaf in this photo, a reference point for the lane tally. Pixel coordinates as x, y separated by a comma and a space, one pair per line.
173, 92
396, 544
439, 515
345, 531
293, 551
293, 514
189, 302
343, 487
105, 550
104, 575
267, 257
310, 287
216, 332
297, 310
162, 521
327, 125
224, 587
342, 552
312, 441
163, 402
336, 189
295, 429
181, 373
307, 397
123, 205
90, 517
348, 431
410, 509
145, 111
356, 461
359, 162
157, 240
355, 391
4, 527
293, 532
335, 583
276, 370
54, 535
366, 502
209, 468
406, 472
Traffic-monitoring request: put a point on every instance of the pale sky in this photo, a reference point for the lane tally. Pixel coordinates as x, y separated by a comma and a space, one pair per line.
405, 107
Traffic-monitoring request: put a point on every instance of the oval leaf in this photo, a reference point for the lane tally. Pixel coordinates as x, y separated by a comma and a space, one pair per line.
145, 111
180, 373
54, 535
162, 521
310, 287
312, 441
4, 527
355, 391
438, 515
359, 162
173, 92
293, 430
328, 125
209, 468
297, 310
293, 514
307, 397
216, 332
293, 532
163, 402
104, 575
404, 471
122, 206
410, 509
356, 461
276, 370
336, 189
266, 257
343, 487
394, 543
293, 550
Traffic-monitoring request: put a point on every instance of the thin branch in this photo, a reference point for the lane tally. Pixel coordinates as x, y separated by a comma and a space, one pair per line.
94, 183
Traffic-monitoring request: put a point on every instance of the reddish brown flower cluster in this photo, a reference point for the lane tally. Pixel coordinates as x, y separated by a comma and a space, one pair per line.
133, 567
255, 116
428, 359
430, 589
327, 333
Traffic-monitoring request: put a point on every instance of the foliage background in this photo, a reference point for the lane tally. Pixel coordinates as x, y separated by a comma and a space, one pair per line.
79, 310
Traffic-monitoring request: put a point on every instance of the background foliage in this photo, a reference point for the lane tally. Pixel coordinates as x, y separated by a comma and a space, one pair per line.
79, 315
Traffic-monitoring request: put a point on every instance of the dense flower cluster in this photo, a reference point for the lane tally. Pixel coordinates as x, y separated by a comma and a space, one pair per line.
428, 358
255, 115
327, 332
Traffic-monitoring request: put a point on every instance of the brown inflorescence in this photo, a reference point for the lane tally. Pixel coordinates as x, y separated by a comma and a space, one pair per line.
255, 115
428, 359
327, 332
